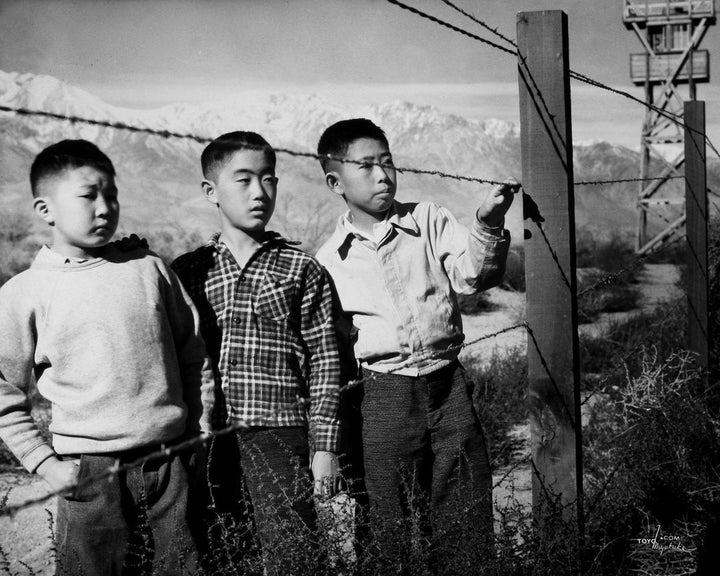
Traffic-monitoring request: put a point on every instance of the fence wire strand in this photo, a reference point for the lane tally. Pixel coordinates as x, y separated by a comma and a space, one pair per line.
167, 134
487, 27
674, 118
451, 27
170, 450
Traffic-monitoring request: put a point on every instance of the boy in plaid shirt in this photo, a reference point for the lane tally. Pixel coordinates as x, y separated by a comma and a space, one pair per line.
266, 317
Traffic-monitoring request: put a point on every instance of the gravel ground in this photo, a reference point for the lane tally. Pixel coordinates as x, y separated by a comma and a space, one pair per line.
25, 538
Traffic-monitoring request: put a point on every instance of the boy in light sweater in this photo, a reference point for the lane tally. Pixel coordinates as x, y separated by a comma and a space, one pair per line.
113, 341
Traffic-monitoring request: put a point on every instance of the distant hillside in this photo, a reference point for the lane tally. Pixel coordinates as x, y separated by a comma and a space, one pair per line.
159, 178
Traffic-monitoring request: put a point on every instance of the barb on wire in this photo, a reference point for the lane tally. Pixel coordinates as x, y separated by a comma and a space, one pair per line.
610, 278
675, 118
451, 26
494, 334
619, 180
204, 140
105, 123
163, 452
487, 27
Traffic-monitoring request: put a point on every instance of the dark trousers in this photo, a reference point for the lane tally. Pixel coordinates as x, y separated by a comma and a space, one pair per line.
276, 465
135, 522
262, 483
422, 444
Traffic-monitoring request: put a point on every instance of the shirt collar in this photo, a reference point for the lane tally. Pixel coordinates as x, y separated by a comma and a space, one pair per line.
399, 217
270, 238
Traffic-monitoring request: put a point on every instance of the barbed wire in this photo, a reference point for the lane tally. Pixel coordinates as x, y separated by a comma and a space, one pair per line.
620, 180
525, 72
489, 28
675, 118
554, 256
201, 139
171, 450
168, 134
610, 278
451, 27
190, 443
194, 442
167, 451
206, 140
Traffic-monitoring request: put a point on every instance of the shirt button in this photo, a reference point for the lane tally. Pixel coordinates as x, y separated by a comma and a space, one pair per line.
242, 278
236, 319
233, 362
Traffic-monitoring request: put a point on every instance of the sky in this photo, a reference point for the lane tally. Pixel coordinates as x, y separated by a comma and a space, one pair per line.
144, 54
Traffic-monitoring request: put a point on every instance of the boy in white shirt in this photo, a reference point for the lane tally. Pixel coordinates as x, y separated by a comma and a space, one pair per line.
397, 268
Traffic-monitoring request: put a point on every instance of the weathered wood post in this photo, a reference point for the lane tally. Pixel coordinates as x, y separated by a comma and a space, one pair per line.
547, 178
696, 225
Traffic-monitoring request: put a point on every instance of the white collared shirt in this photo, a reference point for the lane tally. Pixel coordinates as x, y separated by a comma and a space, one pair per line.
400, 286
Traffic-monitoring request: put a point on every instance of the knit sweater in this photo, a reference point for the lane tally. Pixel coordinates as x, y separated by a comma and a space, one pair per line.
114, 345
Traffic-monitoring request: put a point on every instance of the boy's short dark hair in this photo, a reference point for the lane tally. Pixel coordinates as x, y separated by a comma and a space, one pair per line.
337, 138
64, 155
217, 152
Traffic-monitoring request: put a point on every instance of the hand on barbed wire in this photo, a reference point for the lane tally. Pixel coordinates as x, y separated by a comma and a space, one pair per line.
493, 209
325, 474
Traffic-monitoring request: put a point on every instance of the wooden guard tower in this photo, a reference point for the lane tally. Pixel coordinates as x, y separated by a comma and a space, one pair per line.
670, 31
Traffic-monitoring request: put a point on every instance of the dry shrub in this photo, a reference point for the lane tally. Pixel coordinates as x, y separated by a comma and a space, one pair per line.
652, 462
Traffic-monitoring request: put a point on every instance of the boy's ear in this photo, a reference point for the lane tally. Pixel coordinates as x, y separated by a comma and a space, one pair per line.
332, 180
42, 209
208, 188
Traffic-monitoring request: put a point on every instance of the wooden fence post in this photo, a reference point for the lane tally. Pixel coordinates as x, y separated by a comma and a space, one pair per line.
547, 178
696, 226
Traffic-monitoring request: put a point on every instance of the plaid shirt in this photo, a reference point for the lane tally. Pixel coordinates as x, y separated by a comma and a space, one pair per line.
269, 330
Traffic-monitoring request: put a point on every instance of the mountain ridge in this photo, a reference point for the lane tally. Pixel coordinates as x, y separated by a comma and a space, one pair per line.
159, 177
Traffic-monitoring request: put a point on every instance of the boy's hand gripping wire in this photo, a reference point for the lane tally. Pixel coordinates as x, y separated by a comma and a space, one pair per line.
496, 204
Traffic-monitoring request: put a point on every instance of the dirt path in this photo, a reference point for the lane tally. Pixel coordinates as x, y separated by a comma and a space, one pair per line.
25, 538
657, 283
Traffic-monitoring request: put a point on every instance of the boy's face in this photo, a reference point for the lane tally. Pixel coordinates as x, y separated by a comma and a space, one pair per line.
368, 186
244, 190
81, 206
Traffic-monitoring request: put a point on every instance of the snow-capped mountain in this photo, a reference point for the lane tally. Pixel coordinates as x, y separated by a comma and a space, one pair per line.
159, 177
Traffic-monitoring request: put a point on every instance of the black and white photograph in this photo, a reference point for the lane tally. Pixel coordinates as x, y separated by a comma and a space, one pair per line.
359, 287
